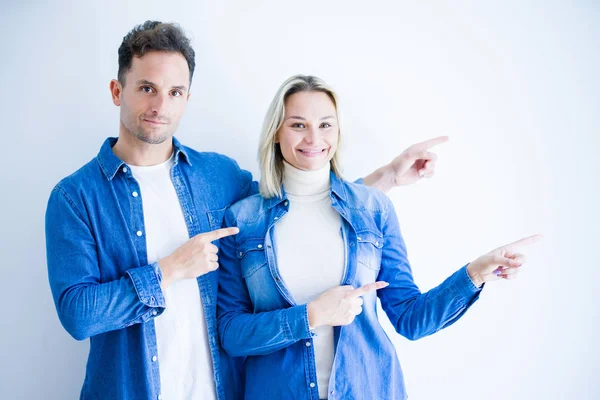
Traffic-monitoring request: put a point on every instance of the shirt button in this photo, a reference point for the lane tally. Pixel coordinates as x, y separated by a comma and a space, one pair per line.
260, 246
139, 233
154, 312
241, 254
159, 397
307, 344
332, 392
154, 358
276, 218
134, 194
124, 169
312, 385
376, 243
358, 238
286, 203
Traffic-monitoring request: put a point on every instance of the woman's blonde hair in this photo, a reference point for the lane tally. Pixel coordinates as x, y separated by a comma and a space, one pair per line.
270, 157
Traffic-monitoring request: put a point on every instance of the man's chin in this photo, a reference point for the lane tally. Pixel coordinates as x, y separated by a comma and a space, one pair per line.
153, 138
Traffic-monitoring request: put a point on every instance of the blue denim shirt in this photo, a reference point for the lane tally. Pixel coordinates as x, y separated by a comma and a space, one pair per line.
103, 287
258, 317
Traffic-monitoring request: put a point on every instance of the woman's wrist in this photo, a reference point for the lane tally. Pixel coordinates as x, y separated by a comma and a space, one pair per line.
312, 315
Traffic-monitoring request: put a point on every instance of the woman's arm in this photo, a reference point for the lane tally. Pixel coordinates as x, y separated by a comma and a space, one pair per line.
415, 314
243, 332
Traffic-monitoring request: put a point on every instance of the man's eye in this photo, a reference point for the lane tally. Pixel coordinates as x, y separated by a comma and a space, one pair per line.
146, 89
176, 93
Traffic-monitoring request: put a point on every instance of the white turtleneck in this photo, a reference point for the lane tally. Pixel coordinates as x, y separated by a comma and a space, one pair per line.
310, 251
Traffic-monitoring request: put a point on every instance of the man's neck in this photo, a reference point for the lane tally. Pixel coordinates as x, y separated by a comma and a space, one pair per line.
135, 152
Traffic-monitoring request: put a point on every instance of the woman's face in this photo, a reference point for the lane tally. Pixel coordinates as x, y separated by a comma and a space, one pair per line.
309, 135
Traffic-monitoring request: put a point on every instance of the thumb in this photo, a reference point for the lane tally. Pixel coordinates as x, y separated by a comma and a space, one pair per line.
492, 262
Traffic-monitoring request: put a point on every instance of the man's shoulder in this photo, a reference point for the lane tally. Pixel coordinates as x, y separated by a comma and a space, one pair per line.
82, 178
209, 158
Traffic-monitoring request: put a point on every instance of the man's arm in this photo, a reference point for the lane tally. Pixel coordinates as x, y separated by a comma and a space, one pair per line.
85, 306
409, 167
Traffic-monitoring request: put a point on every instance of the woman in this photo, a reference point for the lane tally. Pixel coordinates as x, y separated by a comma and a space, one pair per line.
298, 284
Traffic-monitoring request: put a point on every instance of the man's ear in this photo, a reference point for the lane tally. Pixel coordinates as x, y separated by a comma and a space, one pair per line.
115, 91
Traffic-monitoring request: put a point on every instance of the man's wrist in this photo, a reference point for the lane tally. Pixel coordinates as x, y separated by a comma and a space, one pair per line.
475, 277
382, 178
167, 275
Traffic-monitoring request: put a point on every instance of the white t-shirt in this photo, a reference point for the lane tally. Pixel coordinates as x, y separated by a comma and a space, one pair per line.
310, 252
185, 364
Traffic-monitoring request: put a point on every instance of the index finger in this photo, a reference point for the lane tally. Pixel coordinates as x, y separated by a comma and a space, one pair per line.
422, 146
369, 287
218, 234
522, 242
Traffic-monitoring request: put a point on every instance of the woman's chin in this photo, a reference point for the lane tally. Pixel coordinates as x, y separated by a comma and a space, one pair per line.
310, 166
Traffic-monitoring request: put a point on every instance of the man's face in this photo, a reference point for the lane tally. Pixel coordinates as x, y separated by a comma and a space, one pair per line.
154, 97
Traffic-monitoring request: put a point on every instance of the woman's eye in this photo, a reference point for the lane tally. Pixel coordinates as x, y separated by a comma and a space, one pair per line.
325, 125
297, 125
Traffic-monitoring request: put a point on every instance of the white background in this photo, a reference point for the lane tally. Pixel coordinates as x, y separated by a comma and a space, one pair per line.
514, 84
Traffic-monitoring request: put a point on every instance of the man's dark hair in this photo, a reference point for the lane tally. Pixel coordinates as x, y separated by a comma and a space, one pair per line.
154, 36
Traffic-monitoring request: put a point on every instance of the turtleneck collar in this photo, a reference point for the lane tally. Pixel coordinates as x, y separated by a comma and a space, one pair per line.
297, 182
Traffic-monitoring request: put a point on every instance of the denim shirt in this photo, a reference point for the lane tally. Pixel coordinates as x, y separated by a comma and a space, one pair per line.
103, 287
258, 317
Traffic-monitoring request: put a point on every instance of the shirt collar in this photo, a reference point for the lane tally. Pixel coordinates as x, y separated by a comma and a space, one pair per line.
110, 163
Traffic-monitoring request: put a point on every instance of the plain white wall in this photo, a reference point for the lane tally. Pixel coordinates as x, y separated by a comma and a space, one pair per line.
514, 84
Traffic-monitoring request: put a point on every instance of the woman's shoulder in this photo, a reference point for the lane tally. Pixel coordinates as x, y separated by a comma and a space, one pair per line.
362, 196
247, 210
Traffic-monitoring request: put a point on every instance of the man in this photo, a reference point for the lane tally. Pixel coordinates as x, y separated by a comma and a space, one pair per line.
128, 231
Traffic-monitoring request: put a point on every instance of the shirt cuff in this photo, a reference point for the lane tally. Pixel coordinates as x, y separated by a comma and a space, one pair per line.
146, 281
463, 285
295, 323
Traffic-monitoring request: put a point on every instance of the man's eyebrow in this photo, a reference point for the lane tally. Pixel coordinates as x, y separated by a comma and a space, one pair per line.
147, 82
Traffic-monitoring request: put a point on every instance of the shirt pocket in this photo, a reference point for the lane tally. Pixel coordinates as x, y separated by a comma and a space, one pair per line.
251, 254
215, 218
369, 245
